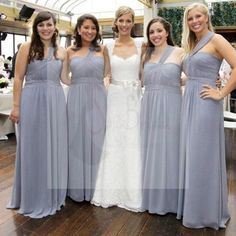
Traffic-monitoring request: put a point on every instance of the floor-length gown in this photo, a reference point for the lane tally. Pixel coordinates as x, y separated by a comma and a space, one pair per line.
40, 180
86, 107
119, 176
160, 130
203, 181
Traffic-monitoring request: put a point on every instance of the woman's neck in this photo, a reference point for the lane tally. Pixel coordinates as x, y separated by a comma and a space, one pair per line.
158, 50
86, 44
47, 43
201, 34
124, 39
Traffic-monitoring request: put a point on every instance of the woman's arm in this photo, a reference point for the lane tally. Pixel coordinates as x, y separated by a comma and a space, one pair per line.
20, 71
226, 51
141, 68
65, 68
107, 67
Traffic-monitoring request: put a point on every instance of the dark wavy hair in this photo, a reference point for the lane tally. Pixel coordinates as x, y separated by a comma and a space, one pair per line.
36, 46
78, 40
150, 46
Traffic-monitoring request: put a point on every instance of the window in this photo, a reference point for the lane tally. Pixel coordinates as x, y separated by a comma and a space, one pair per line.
19, 39
63, 41
7, 46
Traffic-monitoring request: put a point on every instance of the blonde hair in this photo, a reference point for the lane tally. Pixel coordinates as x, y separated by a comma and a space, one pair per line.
189, 37
120, 12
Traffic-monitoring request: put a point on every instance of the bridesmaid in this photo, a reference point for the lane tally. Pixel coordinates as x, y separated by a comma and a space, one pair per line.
86, 109
40, 110
160, 119
203, 183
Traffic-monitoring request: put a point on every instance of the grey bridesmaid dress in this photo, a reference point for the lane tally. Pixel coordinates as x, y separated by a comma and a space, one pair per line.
160, 130
40, 182
86, 109
203, 181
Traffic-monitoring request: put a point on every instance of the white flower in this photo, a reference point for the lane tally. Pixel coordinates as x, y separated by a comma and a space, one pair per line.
4, 81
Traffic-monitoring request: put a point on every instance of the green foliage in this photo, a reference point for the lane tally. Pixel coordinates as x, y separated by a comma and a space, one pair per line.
224, 14
175, 16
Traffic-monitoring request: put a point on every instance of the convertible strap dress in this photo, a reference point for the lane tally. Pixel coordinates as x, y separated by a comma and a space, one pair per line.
203, 181
40, 181
86, 109
160, 130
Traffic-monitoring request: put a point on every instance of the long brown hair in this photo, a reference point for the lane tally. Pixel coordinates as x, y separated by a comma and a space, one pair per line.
150, 46
78, 40
36, 46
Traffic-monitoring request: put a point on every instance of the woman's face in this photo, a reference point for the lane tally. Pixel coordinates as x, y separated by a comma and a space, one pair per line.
46, 29
124, 24
87, 31
197, 21
157, 34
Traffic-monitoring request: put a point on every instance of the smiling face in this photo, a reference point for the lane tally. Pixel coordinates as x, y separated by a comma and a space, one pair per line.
157, 34
124, 24
197, 21
87, 31
46, 29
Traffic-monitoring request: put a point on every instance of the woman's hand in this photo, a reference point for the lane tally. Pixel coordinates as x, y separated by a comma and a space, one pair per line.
218, 83
209, 92
15, 115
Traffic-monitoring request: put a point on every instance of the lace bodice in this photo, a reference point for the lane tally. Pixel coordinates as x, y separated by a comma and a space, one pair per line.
125, 68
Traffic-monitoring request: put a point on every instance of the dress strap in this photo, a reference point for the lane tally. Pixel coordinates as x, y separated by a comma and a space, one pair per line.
91, 52
168, 50
138, 45
204, 40
110, 47
51, 51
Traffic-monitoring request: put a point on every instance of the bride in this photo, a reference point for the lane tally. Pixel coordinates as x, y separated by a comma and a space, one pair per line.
119, 176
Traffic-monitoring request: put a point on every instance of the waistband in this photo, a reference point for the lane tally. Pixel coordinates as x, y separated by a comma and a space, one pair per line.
50, 82
86, 81
168, 88
127, 83
202, 80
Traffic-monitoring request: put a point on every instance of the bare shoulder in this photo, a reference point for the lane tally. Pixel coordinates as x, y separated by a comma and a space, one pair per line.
179, 52
221, 46
70, 48
143, 47
24, 51
25, 47
218, 39
102, 46
62, 50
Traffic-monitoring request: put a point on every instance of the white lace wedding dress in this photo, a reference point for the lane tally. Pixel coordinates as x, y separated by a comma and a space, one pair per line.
119, 175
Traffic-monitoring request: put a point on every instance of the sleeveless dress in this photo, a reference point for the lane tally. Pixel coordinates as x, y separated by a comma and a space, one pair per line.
160, 122
42, 152
86, 109
203, 182
119, 176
